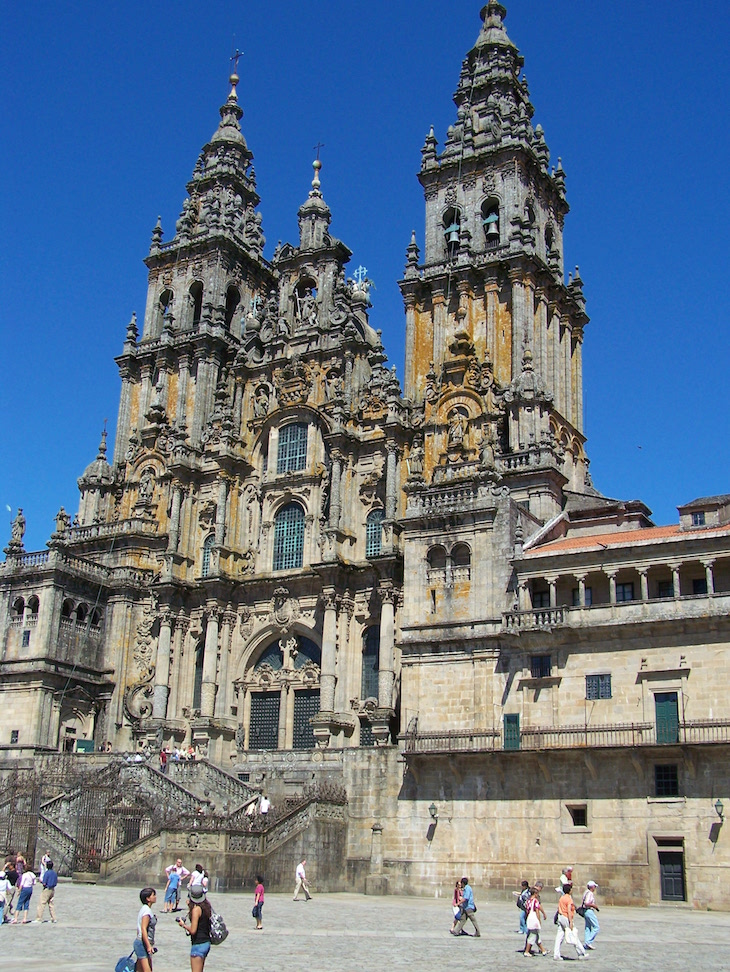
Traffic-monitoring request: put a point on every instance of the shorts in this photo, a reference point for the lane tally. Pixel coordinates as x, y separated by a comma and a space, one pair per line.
139, 950
200, 951
171, 894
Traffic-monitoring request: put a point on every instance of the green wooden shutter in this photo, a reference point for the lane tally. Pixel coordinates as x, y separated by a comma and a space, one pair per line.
667, 717
511, 731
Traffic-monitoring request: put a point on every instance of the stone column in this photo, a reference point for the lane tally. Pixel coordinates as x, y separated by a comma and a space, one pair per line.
519, 321
675, 581
335, 479
210, 663
201, 379
221, 699
238, 406
541, 326
644, 575
162, 667
709, 576
524, 599
329, 652
345, 659
386, 654
568, 371
581, 578
220, 513
347, 391
553, 587
578, 381
611, 585
182, 623
174, 531
391, 484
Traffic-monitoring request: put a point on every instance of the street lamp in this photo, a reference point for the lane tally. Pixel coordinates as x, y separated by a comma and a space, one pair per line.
719, 809
433, 810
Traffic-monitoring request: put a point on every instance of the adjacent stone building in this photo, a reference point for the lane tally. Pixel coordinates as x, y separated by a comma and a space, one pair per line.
304, 571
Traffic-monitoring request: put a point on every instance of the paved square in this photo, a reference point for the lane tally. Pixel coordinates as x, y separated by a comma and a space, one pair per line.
352, 932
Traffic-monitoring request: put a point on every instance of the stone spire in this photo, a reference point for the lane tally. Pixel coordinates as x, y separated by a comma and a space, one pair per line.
222, 193
314, 215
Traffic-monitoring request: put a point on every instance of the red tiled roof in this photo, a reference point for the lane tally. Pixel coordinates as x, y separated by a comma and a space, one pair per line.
625, 538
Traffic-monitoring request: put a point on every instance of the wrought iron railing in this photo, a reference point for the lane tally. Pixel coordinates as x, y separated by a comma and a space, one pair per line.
532, 738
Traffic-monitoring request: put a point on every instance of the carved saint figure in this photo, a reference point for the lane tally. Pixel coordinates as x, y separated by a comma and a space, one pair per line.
17, 527
457, 428
415, 459
146, 485
307, 307
261, 400
63, 521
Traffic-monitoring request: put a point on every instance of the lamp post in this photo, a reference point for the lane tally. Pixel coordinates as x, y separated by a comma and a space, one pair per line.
720, 809
433, 810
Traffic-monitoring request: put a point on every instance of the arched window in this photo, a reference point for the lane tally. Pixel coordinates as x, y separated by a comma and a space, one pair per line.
67, 608
292, 456
452, 231
461, 562
165, 305
207, 547
33, 605
19, 607
233, 299
490, 222
196, 303
81, 614
374, 533
289, 537
370, 652
437, 558
95, 619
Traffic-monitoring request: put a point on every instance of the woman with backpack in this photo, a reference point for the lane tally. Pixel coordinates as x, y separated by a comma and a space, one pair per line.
199, 915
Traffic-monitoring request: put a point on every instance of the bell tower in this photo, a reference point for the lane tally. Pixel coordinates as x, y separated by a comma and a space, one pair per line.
493, 333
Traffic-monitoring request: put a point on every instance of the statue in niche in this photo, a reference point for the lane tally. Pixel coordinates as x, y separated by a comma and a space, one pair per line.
146, 486
261, 401
487, 452
333, 386
457, 428
415, 459
307, 307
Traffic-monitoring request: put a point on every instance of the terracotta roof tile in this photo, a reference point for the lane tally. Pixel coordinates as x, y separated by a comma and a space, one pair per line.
621, 538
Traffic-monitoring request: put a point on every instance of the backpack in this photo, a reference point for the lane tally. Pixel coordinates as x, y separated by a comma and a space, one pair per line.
218, 930
520, 902
126, 963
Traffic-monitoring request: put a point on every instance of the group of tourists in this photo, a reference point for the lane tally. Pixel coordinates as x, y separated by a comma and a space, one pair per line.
532, 915
177, 755
17, 882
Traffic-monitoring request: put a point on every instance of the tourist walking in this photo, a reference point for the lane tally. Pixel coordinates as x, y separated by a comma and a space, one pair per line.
11, 876
589, 915
301, 879
533, 911
565, 878
181, 873
468, 910
522, 899
49, 880
4, 890
258, 902
26, 890
456, 903
144, 943
565, 930
197, 926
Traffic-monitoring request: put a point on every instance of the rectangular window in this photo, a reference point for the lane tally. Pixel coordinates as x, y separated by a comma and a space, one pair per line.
579, 815
540, 666
244, 777
576, 596
699, 585
292, 456
666, 780
665, 589
698, 519
26, 639
14, 736
625, 592
541, 599
598, 687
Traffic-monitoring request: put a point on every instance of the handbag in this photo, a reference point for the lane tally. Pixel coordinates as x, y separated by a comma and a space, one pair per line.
533, 922
581, 910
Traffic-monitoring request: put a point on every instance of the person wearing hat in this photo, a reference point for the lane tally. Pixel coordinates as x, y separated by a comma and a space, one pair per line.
199, 914
589, 915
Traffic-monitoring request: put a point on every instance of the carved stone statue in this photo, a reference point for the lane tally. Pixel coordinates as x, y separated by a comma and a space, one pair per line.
261, 401
63, 521
415, 459
146, 486
457, 428
17, 528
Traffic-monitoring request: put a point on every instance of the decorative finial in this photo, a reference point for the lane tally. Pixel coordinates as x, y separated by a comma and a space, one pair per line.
234, 78
157, 234
316, 165
102, 444
132, 332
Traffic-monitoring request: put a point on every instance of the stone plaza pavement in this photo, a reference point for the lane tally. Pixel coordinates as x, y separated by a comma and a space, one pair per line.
352, 932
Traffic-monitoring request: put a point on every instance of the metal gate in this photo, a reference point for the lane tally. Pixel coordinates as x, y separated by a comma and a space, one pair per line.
306, 705
19, 804
264, 724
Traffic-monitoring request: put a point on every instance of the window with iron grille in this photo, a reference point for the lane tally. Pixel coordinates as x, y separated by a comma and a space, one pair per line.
540, 666
292, 455
374, 534
666, 780
598, 687
289, 537
207, 547
370, 652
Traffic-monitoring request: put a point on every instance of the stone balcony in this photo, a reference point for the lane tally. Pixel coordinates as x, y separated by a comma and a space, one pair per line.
653, 609
540, 738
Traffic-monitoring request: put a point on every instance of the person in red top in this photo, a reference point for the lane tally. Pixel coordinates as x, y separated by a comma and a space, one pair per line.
566, 914
258, 902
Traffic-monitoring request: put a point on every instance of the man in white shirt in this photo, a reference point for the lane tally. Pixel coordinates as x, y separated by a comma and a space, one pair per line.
301, 881
265, 804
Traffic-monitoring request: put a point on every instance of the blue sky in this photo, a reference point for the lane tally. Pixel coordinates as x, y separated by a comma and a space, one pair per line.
108, 104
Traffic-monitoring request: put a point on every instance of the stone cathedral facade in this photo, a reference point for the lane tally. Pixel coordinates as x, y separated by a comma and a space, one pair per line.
302, 569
